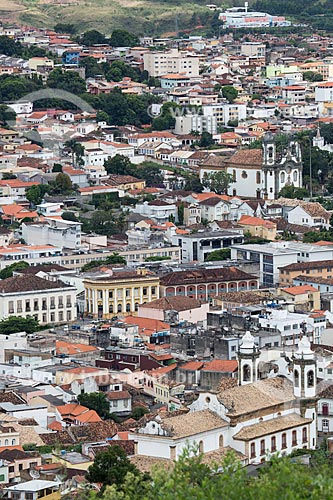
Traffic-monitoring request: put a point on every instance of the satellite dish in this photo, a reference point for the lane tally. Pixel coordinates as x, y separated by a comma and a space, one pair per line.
34, 474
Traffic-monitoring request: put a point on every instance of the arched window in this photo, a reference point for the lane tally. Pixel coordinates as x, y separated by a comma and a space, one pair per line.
258, 178
13, 442
282, 177
128, 308
110, 308
296, 378
262, 447
273, 444
246, 373
294, 438
136, 306
304, 435
253, 450
295, 176
6, 442
284, 440
119, 309
221, 441
201, 447
310, 378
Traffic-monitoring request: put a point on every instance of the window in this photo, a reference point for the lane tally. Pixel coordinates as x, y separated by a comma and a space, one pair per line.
119, 308
128, 308
262, 447
258, 178
110, 294
284, 441
52, 317
324, 409
11, 307
296, 378
310, 378
52, 303
325, 425
273, 444
19, 306
294, 438
36, 305
253, 450
201, 447
27, 306
304, 435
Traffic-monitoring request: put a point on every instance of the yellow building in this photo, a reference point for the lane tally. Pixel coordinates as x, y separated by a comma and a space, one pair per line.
257, 227
125, 182
119, 292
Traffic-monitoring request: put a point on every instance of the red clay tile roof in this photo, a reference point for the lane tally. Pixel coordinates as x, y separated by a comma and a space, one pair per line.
247, 158
27, 283
204, 276
221, 365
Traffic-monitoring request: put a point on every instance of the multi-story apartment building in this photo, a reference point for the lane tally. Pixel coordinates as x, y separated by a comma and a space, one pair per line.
162, 63
119, 292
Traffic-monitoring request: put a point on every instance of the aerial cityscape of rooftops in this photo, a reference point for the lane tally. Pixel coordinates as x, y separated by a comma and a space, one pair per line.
166, 250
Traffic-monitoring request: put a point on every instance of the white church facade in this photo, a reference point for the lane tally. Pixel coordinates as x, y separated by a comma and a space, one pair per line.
257, 418
262, 173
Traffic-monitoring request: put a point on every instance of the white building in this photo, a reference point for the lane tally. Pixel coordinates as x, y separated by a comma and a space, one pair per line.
158, 210
257, 419
197, 246
240, 17
47, 301
310, 214
163, 63
52, 231
292, 325
271, 256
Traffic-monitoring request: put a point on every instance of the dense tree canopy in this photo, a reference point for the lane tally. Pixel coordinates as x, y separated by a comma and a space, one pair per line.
96, 401
15, 324
122, 38
218, 182
111, 467
8, 271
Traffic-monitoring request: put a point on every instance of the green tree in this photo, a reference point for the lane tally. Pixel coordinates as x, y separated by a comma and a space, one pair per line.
35, 194
150, 172
122, 38
230, 93
111, 467
119, 164
138, 412
206, 140
223, 254
93, 37
70, 216
91, 66
115, 258
66, 80
293, 192
180, 213
77, 151
65, 28
96, 401
15, 324
119, 69
193, 184
57, 167
62, 184
312, 76
8, 271
218, 182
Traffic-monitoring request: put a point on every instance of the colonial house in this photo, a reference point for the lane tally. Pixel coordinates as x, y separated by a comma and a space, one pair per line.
202, 284
29, 295
310, 214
